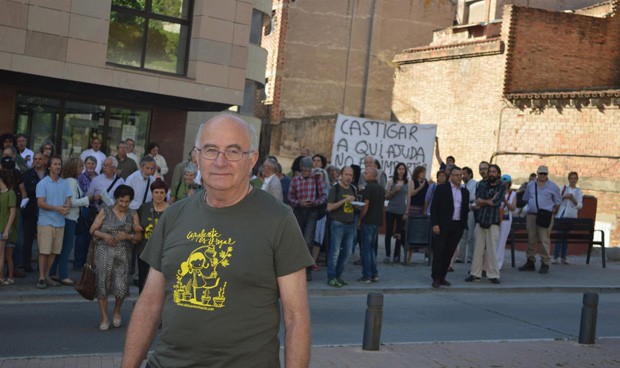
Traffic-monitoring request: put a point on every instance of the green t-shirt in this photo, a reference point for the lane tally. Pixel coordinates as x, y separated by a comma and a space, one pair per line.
221, 267
8, 200
345, 212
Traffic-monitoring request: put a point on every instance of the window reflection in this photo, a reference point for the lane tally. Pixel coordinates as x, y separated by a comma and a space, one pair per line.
152, 35
40, 117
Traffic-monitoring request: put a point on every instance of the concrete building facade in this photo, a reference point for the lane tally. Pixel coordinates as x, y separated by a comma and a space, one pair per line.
113, 69
328, 57
534, 87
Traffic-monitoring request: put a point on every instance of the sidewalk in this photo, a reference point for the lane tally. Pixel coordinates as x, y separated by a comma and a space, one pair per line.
504, 354
413, 278
397, 279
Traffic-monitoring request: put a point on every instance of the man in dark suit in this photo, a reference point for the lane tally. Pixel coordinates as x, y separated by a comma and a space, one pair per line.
448, 221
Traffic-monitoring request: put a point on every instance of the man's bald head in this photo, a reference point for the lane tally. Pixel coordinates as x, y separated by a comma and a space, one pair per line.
371, 173
226, 119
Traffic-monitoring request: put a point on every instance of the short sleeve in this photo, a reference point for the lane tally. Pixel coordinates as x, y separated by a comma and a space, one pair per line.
154, 249
290, 251
12, 199
40, 191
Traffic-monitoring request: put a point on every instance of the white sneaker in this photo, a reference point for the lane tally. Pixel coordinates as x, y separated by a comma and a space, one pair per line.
555, 261
565, 261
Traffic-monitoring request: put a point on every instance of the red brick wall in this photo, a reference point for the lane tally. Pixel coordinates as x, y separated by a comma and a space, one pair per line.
561, 51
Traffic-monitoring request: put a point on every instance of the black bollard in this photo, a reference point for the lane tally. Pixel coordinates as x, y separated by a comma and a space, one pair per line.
372, 325
587, 330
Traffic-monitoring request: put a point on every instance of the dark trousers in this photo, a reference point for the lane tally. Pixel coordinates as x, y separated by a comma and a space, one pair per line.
390, 219
306, 218
443, 246
29, 219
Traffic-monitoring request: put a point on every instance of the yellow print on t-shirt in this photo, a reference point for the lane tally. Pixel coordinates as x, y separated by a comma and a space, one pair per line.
198, 282
348, 207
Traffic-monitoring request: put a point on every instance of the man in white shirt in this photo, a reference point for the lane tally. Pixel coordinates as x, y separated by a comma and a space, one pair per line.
25, 152
102, 187
141, 181
95, 152
131, 144
465, 250
272, 183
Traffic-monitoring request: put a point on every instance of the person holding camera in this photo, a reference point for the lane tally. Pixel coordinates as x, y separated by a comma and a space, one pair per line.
489, 198
187, 186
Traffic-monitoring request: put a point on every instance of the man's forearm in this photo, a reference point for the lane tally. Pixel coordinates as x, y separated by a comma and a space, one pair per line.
297, 343
141, 331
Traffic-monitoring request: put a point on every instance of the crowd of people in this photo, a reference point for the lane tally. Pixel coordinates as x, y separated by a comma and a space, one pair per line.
336, 209
191, 252
111, 202
66, 204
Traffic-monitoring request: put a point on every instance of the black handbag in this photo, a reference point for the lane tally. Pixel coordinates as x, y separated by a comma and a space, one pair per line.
543, 217
86, 285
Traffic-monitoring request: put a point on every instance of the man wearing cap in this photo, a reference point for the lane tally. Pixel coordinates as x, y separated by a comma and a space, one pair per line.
541, 194
306, 194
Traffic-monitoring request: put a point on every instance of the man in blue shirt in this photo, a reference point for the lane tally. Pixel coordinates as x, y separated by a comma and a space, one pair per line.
54, 201
542, 194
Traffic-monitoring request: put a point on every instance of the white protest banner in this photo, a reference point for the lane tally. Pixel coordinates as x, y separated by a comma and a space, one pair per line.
386, 141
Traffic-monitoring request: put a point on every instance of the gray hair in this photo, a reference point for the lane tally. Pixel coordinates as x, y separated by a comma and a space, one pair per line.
227, 116
146, 159
114, 160
92, 158
190, 168
271, 163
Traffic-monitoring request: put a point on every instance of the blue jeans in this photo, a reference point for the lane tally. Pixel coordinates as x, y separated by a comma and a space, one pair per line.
369, 257
61, 262
341, 237
559, 250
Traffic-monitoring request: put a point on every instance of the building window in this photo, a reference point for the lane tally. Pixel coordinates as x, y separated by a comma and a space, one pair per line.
150, 34
70, 125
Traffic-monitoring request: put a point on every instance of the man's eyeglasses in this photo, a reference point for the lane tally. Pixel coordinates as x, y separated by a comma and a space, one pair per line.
229, 154
542, 173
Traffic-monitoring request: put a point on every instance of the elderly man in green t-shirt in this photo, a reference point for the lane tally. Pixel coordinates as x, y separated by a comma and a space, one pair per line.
219, 272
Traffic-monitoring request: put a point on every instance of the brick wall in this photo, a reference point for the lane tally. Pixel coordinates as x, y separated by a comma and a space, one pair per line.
557, 49
462, 96
573, 140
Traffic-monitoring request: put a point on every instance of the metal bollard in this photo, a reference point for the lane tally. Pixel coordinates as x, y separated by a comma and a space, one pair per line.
587, 330
372, 324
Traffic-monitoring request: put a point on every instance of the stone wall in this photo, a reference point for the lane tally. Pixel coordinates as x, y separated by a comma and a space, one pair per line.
462, 96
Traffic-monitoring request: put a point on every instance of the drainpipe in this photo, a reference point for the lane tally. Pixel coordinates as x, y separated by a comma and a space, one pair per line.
368, 56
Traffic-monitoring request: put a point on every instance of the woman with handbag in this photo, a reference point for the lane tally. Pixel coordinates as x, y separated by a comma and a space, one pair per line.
60, 268
117, 230
149, 214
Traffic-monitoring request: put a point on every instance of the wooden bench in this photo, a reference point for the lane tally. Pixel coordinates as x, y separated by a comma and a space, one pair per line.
573, 230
